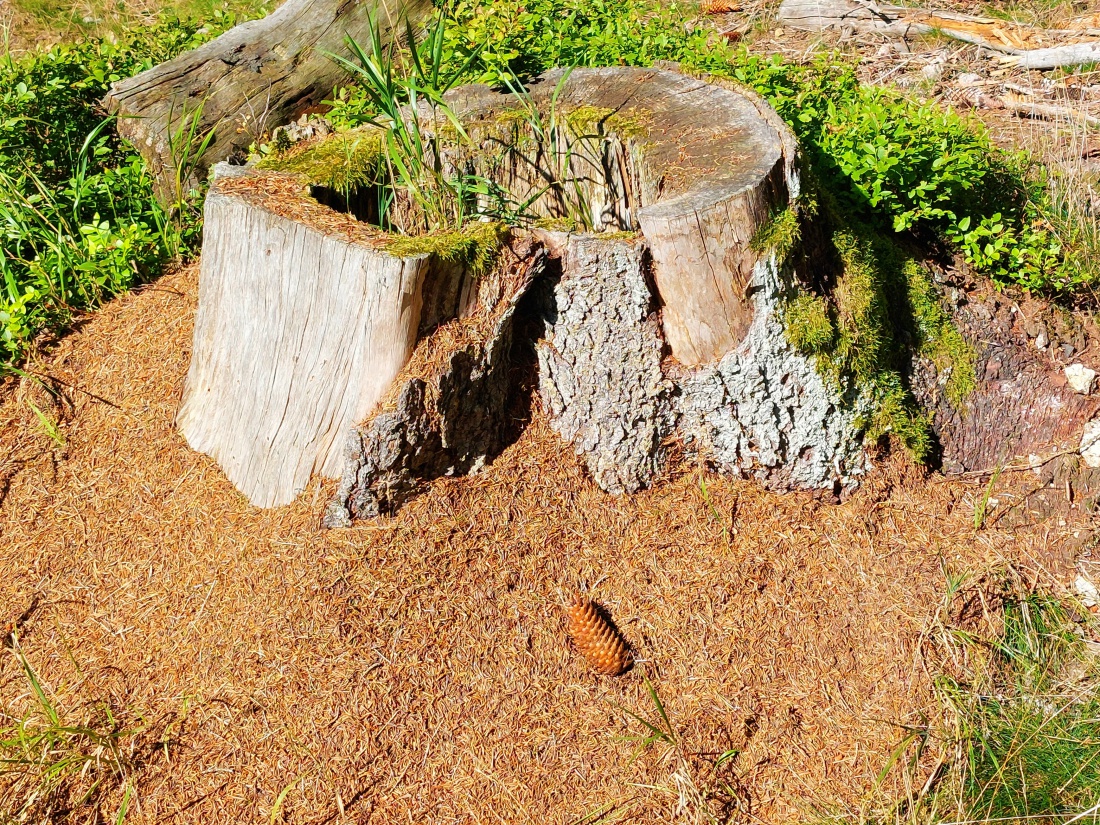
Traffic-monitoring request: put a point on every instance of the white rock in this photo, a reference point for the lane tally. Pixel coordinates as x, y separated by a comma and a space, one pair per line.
1090, 596
1090, 443
1081, 378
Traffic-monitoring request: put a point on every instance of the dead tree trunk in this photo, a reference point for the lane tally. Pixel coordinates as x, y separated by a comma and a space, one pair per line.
256, 76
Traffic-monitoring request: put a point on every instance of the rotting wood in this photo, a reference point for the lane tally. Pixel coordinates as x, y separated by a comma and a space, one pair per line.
447, 411
283, 388
254, 77
697, 167
1026, 46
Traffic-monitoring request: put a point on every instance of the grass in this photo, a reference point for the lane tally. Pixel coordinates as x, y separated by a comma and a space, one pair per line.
78, 220
1015, 733
54, 765
702, 794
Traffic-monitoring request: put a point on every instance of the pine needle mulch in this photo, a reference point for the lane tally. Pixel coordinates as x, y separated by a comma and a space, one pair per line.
414, 669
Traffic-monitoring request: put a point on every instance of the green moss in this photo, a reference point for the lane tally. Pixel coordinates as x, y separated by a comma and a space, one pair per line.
343, 161
937, 338
557, 224
808, 324
779, 234
476, 245
875, 309
593, 120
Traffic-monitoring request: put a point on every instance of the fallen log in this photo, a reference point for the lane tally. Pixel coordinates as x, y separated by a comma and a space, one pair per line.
254, 77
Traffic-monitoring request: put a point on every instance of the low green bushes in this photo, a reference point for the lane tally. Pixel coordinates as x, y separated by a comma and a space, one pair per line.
78, 222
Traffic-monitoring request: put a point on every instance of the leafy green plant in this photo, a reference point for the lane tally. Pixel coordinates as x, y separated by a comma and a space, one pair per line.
78, 221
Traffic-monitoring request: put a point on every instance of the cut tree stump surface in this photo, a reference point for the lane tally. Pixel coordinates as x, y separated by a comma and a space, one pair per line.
705, 167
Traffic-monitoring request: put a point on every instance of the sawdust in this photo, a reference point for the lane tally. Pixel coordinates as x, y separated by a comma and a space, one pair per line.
415, 669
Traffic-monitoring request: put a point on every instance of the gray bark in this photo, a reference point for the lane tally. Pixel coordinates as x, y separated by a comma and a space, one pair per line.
600, 373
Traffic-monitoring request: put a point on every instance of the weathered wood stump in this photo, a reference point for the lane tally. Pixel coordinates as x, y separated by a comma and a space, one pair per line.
254, 77
1024, 414
662, 323
304, 321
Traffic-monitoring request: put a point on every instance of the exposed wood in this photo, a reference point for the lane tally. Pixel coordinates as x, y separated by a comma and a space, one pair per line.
254, 77
450, 408
300, 331
1026, 46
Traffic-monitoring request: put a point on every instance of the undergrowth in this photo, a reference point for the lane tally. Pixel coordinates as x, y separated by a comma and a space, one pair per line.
78, 221
1015, 732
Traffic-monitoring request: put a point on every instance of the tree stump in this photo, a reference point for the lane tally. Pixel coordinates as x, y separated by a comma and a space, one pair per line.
661, 323
304, 321
256, 76
697, 167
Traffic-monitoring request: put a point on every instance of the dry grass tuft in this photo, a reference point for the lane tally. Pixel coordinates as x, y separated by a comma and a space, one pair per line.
413, 668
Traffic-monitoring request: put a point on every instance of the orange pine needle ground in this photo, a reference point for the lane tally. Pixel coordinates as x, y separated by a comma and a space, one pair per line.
412, 669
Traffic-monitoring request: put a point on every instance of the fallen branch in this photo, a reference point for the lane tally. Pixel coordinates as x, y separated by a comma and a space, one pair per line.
1025, 46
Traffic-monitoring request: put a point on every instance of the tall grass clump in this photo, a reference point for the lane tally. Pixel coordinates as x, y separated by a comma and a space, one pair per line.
1015, 732
78, 221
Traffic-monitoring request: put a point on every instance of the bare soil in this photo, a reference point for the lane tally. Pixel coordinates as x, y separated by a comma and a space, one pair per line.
415, 669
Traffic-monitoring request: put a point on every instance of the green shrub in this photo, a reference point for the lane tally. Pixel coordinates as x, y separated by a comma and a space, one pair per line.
78, 222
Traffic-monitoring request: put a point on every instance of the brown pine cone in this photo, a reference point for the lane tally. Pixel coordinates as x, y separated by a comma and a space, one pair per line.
718, 6
597, 638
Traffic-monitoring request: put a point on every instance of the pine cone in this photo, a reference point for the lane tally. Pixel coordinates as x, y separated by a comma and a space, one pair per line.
718, 6
597, 638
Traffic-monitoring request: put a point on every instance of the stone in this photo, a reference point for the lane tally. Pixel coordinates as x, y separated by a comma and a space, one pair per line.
1081, 378
1090, 443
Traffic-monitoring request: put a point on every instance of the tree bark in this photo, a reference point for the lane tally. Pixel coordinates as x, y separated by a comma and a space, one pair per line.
256, 76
